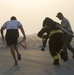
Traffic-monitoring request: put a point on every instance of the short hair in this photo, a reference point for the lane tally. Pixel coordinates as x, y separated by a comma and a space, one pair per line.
13, 18
59, 13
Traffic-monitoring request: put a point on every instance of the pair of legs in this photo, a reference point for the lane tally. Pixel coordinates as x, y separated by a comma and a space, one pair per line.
14, 48
66, 44
55, 45
11, 39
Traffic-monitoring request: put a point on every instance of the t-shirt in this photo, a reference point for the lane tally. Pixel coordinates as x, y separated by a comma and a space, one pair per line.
66, 24
12, 24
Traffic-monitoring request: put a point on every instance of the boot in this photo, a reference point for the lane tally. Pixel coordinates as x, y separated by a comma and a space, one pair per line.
56, 62
64, 56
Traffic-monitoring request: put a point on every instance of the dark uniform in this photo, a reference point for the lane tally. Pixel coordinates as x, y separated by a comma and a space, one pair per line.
44, 41
55, 39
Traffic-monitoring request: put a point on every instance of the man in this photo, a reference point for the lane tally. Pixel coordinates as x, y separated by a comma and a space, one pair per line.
55, 36
67, 38
12, 35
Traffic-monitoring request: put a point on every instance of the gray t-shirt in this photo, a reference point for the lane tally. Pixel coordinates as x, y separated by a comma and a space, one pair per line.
66, 24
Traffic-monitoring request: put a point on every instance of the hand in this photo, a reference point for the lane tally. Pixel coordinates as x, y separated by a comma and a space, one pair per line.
24, 39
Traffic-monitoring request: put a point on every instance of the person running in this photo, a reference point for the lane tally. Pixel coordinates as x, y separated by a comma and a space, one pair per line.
67, 38
55, 39
12, 35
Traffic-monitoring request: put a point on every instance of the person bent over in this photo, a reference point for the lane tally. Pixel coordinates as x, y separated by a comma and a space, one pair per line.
55, 39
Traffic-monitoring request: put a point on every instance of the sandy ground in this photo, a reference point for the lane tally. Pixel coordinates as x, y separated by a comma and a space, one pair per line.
34, 62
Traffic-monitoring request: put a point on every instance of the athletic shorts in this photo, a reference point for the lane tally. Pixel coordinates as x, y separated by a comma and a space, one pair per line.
12, 36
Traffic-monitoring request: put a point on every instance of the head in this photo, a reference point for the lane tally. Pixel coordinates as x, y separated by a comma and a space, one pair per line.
46, 21
13, 18
60, 15
49, 22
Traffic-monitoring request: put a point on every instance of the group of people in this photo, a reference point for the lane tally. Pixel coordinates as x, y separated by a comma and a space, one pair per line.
59, 35
59, 40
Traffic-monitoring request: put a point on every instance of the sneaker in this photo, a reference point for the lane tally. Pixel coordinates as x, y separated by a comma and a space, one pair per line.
64, 56
19, 56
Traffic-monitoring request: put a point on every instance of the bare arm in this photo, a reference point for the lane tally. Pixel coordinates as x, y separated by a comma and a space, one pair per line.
23, 32
2, 29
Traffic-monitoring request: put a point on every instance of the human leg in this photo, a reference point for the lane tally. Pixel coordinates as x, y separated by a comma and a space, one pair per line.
18, 54
54, 56
59, 42
69, 45
71, 49
52, 49
13, 54
11, 39
64, 46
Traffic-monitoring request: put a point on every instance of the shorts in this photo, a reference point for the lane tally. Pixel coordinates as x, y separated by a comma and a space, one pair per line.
12, 36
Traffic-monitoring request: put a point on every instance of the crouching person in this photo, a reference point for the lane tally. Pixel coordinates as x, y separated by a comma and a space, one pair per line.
55, 39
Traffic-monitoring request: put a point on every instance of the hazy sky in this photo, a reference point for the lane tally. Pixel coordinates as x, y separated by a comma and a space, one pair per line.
31, 13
